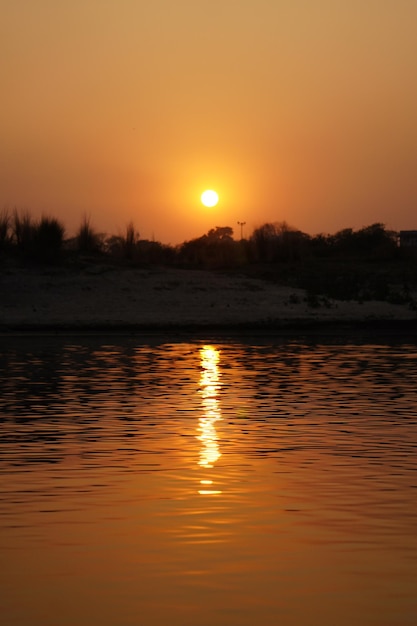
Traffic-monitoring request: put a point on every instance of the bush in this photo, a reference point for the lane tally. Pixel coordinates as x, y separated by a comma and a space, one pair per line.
40, 241
48, 240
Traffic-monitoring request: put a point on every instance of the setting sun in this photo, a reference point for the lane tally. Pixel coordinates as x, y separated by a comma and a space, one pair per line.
209, 198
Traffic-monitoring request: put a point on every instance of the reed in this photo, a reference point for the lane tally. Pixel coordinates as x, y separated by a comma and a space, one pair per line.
4, 229
130, 241
23, 231
87, 239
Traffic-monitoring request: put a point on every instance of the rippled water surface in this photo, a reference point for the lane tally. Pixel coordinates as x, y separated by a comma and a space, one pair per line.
191, 483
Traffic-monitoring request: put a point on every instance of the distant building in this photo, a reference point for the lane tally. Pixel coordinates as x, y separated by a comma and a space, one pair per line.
408, 238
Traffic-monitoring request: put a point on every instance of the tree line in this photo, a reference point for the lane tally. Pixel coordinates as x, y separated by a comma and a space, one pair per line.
44, 240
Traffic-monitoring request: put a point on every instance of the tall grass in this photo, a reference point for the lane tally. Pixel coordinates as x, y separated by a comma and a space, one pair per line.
40, 241
23, 231
87, 239
130, 241
4, 229
124, 247
48, 239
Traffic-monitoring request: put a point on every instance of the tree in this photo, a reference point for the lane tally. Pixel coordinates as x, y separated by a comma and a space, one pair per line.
278, 242
216, 249
220, 234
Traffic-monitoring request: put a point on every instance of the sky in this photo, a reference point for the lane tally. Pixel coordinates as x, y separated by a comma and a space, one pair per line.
292, 110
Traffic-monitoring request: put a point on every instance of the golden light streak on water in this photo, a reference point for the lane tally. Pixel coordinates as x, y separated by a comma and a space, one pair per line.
209, 389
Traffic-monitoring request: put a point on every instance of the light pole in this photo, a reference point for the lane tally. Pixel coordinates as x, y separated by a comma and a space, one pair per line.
241, 224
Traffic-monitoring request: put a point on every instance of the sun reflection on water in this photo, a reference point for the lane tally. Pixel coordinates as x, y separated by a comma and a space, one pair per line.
209, 389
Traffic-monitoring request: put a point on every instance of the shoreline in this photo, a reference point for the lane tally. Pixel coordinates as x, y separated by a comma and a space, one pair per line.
103, 300
282, 325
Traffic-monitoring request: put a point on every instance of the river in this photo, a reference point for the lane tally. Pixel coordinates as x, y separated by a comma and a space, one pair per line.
198, 481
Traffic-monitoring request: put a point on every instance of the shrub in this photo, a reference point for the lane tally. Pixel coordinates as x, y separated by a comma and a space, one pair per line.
48, 240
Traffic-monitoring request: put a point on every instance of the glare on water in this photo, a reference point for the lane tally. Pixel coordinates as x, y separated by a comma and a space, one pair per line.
209, 388
193, 483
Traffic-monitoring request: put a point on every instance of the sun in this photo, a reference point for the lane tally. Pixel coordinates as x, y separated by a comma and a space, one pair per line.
209, 198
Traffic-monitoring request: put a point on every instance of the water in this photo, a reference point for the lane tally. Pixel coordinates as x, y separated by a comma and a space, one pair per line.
194, 483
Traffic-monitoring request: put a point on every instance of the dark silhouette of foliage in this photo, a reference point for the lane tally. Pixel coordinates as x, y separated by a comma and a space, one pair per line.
278, 242
23, 232
216, 250
39, 241
155, 253
124, 247
87, 239
320, 246
5, 221
220, 234
113, 246
130, 241
369, 242
48, 240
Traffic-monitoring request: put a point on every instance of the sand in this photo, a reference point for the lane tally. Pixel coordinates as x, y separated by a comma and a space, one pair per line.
102, 297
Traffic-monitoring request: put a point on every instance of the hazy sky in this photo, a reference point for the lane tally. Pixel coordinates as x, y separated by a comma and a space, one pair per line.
296, 110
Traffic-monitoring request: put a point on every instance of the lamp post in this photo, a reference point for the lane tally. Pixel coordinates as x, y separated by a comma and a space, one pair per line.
241, 224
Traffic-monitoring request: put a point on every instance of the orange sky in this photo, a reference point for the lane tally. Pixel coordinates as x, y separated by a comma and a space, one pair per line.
291, 109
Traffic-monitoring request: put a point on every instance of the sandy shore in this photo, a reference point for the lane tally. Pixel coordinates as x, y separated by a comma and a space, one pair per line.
101, 297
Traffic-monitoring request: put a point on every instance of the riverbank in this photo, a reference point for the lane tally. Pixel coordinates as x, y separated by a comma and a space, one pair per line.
101, 297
